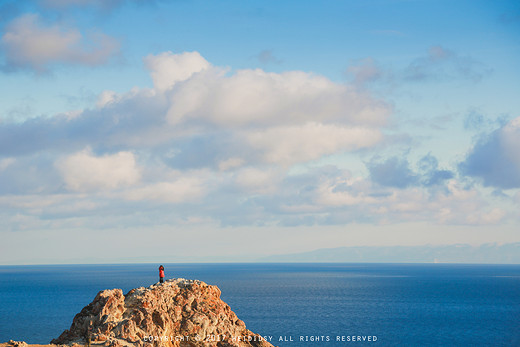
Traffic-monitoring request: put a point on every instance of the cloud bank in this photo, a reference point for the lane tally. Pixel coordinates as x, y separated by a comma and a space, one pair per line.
229, 147
495, 157
30, 43
85, 172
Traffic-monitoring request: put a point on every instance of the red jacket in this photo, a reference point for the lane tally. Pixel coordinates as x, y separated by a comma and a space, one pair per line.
161, 271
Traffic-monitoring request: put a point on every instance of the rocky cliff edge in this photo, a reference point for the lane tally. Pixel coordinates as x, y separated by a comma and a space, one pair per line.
178, 312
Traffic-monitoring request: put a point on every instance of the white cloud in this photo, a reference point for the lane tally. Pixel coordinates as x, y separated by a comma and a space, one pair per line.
261, 99
349, 194
230, 163
31, 202
455, 205
5, 163
293, 144
199, 111
510, 140
167, 68
495, 159
227, 140
29, 43
258, 181
492, 217
357, 198
181, 190
85, 172
106, 97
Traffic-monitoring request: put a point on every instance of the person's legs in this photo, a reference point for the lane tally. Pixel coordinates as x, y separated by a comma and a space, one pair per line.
161, 279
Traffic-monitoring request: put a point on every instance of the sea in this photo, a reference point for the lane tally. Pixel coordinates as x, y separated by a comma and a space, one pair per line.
294, 304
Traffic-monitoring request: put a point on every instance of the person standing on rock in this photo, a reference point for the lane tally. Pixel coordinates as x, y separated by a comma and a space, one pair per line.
161, 274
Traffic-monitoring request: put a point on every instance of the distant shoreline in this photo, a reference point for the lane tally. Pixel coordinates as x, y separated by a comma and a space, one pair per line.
489, 253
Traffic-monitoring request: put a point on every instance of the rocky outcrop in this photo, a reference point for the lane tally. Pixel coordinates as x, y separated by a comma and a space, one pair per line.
178, 312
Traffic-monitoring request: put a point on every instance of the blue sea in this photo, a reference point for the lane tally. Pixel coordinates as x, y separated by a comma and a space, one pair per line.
294, 304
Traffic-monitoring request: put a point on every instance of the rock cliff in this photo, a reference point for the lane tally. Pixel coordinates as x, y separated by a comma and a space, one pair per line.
178, 312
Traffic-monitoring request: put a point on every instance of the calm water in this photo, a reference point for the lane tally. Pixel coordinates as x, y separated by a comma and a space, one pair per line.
400, 304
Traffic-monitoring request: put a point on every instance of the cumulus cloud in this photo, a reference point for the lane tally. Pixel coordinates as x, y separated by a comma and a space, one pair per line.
29, 43
344, 190
277, 118
396, 172
32, 174
463, 205
230, 163
167, 68
430, 173
293, 144
455, 204
181, 190
328, 195
494, 158
489, 217
5, 163
233, 143
259, 98
393, 172
199, 116
86, 172
258, 180
132, 119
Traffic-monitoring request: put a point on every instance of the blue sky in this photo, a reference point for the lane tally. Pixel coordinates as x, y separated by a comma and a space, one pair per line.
167, 130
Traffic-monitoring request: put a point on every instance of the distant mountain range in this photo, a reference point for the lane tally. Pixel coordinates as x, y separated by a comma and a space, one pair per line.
490, 253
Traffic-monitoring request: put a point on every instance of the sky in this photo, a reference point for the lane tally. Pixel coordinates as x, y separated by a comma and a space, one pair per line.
159, 131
